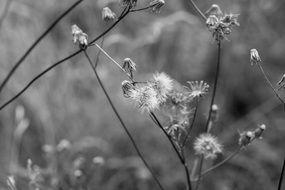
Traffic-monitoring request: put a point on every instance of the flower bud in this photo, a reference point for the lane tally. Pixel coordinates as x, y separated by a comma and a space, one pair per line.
127, 88
259, 131
214, 10
108, 14
212, 22
254, 57
79, 36
156, 5
129, 66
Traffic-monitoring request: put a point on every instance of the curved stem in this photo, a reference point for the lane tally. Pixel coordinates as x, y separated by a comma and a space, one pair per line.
270, 84
18, 63
121, 120
215, 86
198, 10
181, 158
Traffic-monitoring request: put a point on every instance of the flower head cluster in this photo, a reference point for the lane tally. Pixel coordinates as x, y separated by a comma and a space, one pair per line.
207, 145
108, 14
220, 24
79, 36
156, 5
150, 95
197, 88
248, 136
254, 57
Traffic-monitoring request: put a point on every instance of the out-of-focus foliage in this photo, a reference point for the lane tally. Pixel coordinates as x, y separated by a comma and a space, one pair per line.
68, 103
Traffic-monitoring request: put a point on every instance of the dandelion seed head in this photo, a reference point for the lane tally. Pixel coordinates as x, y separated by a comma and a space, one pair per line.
207, 145
163, 84
254, 57
197, 88
146, 98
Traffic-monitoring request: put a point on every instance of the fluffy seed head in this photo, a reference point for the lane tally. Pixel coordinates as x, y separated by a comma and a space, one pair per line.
207, 145
162, 84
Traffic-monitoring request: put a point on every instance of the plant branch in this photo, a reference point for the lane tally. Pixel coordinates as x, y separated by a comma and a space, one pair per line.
181, 158
201, 161
121, 120
198, 10
18, 63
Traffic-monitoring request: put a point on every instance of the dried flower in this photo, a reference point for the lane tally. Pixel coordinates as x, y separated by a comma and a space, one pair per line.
146, 97
108, 14
214, 10
207, 145
248, 136
254, 57
79, 36
162, 84
212, 22
129, 66
131, 3
127, 88
197, 89
156, 5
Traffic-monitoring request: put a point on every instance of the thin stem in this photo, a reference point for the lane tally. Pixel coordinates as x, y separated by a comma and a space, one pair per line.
124, 13
142, 9
215, 86
18, 63
121, 121
5, 12
198, 10
270, 84
281, 176
191, 126
181, 158
201, 161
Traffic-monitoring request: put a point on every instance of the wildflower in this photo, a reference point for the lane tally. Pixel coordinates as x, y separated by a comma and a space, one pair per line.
108, 14
156, 5
163, 84
129, 66
131, 3
79, 36
127, 88
220, 24
197, 89
146, 97
254, 57
207, 145
214, 10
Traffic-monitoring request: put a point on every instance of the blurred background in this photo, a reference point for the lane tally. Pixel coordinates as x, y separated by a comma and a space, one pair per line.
64, 121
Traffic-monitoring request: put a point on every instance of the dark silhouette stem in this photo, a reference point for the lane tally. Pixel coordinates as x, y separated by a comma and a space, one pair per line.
281, 176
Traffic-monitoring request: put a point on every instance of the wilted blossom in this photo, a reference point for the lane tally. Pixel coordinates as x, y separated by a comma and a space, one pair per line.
220, 24
79, 36
207, 145
127, 88
156, 5
108, 14
254, 57
197, 88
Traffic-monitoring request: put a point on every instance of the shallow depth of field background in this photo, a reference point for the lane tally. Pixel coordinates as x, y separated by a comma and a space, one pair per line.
68, 103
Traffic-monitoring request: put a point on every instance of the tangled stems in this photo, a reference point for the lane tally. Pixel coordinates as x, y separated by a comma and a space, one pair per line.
180, 156
18, 63
120, 119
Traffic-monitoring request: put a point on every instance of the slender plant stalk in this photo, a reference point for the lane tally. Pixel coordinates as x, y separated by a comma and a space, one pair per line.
121, 120
5, 12
19, 62
281, 176
181, 158
201, 159
198, 10
270, 84
142, 9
